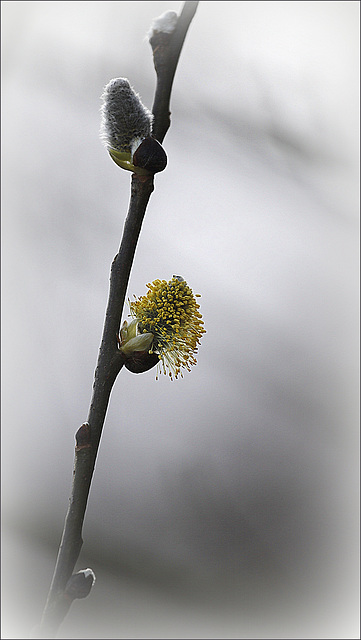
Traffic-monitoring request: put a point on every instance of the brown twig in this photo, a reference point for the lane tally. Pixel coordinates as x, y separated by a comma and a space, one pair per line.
110, 359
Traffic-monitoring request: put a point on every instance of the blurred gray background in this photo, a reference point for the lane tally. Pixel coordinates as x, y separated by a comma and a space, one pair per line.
224, 505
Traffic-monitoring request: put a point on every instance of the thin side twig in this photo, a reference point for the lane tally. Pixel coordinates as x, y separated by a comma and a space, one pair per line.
110, 359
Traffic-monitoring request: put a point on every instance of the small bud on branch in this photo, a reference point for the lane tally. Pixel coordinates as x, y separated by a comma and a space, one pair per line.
79, 584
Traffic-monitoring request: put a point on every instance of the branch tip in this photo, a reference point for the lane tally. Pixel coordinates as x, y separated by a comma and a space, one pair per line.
166, 23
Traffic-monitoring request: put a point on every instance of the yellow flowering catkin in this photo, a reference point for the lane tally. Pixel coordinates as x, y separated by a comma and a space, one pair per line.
170, 312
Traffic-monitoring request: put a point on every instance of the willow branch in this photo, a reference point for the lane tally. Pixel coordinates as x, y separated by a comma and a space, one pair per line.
63, 589
166, 51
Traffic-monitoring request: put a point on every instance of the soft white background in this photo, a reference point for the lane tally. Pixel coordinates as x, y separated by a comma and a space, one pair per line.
223, 505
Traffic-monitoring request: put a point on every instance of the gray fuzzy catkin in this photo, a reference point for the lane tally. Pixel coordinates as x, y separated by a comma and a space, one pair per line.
124, 117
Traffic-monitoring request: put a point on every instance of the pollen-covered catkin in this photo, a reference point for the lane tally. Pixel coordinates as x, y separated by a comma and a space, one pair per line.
170, 312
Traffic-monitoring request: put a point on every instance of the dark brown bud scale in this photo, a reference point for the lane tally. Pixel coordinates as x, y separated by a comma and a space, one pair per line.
80, 584
141, 361
83, 437
150, 155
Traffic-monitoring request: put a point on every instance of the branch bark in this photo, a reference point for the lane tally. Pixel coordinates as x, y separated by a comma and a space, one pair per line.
110, 359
